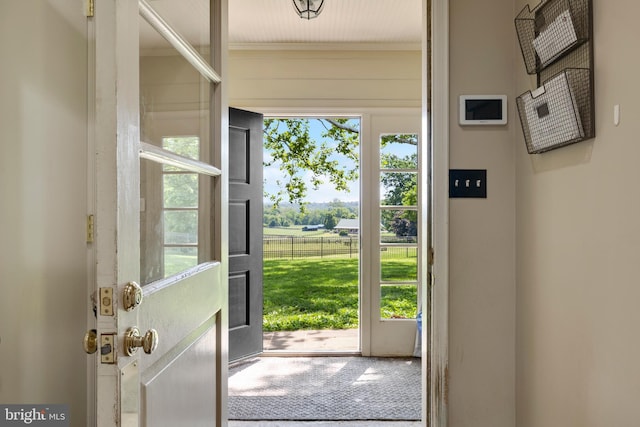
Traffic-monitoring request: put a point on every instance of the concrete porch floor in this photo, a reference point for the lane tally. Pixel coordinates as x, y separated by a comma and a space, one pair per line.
345, 340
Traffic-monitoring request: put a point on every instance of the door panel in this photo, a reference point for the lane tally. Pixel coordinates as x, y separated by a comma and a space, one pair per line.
182, 379
165, 397
245, 233
239, 292
240, 211
178, 380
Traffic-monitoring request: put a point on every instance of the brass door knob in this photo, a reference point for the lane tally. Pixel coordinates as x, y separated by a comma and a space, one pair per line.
133, 341
90, 341
132, 296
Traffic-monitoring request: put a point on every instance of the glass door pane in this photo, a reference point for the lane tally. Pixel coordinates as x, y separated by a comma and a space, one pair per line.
175, 202
398, 210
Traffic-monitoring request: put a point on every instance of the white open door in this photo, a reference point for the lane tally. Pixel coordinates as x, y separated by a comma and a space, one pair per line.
160, 333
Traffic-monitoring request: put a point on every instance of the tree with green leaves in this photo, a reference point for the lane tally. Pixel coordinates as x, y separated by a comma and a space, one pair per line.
330, 221
292, 148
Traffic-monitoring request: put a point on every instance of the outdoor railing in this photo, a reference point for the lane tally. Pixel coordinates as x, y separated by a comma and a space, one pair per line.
290, 247
303, 247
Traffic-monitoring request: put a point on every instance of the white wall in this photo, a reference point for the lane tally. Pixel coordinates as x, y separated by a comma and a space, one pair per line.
43, 280
324, 78
578, 248
482, 231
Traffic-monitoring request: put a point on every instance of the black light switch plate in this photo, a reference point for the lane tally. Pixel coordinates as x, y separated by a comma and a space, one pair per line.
468, 183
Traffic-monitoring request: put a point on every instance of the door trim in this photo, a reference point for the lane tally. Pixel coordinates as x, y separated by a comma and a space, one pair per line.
437, 297
368, 174
91, 210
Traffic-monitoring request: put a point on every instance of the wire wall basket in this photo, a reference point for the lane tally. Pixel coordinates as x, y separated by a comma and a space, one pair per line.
559, 112
551, 30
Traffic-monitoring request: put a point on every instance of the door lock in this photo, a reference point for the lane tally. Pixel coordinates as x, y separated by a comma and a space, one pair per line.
133, 340
90, 342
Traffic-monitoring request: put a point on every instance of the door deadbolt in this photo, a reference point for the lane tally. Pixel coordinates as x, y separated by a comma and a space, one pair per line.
132, 296
90, 342
133, 341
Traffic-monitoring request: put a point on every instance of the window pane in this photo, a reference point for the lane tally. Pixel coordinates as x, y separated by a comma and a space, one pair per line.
174, 99
398, 189
399, 151
180, 227
189, 18
398, 301
168, 216
180, 190
398, 264
177, 259
186, 146
174, 115
398, 226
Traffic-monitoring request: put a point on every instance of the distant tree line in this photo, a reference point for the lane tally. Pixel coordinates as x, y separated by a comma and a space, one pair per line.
328, 214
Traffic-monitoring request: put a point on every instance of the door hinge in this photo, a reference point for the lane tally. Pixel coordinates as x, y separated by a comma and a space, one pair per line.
90, 229
90, 8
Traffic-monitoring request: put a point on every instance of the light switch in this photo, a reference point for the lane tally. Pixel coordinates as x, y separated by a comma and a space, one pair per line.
468, 183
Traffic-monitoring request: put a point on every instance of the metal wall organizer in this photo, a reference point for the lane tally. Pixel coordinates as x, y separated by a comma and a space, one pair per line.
556, 43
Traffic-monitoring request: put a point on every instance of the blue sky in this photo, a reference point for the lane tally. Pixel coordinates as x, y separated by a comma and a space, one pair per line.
325, 193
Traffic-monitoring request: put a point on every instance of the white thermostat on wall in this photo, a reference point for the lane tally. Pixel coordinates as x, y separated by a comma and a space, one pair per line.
483, 109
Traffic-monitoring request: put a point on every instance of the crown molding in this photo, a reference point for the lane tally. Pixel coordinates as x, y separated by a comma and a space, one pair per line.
326, 46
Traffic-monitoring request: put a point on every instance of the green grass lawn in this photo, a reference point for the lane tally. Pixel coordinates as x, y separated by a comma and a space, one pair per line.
323, 294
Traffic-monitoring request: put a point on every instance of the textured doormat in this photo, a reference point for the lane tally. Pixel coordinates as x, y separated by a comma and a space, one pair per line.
325, 389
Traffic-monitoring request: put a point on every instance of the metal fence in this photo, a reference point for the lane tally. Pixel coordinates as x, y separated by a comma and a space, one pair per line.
290, 247
303, 247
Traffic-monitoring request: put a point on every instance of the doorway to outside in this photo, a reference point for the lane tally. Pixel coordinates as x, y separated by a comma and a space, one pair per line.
311, 235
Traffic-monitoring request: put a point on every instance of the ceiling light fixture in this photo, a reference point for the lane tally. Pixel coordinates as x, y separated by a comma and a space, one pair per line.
308, 9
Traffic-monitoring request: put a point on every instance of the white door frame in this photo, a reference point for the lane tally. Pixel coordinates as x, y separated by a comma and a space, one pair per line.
368, 173
437, 151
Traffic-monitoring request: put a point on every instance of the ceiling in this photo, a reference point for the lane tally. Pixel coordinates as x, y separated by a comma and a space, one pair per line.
264, 22
341, 21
